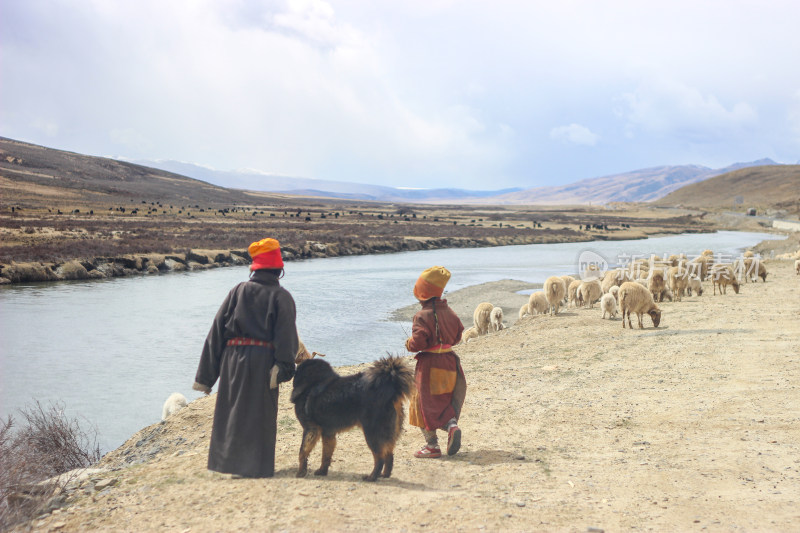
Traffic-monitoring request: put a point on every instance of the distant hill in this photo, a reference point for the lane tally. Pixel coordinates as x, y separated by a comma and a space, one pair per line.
637, 186
763, 186
259, 181
29, 171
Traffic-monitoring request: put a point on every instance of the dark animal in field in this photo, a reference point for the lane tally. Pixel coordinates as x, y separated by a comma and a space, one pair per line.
326, 404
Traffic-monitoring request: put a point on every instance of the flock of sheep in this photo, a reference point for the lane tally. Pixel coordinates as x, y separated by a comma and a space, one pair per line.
636, 288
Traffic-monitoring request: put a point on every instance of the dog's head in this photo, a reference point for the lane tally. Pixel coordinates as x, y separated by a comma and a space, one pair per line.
308, 374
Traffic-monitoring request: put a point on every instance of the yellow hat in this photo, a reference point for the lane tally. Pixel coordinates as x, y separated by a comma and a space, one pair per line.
431, 283
266, 253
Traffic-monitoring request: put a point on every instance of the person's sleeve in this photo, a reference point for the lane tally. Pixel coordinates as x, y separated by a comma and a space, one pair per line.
208, 368
286, 341
419, 339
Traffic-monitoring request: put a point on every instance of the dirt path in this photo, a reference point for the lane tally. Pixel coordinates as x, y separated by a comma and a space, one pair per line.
570, 423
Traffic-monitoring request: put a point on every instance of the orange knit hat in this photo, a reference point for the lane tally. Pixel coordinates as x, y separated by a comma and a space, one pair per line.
266, 253
431, 283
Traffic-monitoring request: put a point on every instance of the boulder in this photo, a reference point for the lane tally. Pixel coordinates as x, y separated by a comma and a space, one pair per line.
72, 270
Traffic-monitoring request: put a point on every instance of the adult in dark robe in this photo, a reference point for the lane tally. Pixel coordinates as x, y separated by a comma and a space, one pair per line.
253, 336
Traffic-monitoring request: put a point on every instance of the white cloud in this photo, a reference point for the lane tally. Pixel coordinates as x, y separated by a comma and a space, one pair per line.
668, 107
576, 134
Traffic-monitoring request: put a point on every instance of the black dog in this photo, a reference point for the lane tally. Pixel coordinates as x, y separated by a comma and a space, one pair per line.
326, 403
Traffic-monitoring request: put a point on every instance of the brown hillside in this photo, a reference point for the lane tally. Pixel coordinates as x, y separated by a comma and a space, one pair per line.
774, 186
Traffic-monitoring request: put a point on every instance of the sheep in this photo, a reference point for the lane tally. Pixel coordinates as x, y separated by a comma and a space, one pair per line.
481, 317
762, 271
537, 303
797, 267
523, 311
700, 266
554, 290
694, 285
590, 292
722, 275
609, 305
748, 253
496, 319
174, 403
614, 291
656, 285
637, 299
572, 292
610, 280
678, 281
567, 282
469, 334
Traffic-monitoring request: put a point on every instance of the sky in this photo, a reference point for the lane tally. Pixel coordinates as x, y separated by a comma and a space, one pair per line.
414, 93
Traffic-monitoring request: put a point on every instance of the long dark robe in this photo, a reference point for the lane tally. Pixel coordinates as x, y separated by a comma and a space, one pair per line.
246, 412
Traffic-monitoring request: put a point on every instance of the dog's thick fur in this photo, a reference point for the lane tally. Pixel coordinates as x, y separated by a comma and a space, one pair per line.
326, 404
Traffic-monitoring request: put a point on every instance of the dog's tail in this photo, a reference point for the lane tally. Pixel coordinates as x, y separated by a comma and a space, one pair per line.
391, 379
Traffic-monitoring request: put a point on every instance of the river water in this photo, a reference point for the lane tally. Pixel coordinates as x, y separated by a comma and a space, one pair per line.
111, 351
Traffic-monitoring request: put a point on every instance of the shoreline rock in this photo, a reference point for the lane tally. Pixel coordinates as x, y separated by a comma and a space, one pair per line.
201, 259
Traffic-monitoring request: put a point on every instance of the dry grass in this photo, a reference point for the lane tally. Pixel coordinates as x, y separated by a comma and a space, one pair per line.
47, 444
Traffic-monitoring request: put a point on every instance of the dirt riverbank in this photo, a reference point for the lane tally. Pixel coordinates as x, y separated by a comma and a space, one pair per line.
571, 423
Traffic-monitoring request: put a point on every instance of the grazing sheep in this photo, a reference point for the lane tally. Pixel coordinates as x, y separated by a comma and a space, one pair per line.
700, 266
694, 285
554, 290
496, 318
567, 282
537, 303
748, 253
722, 275
469, 334
590, 292
609, 305
637, 299
762, 271
678, 281
797, 267
611, 279
482, 317
524, 311
174, 403
572, 293
640, 281
614, 291
656, 285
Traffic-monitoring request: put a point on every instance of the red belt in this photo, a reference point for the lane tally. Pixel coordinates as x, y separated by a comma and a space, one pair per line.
244, 341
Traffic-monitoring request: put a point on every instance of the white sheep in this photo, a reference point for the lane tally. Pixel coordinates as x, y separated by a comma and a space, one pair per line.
523, 311
567, 282
678, 278
694, 285
609, 305
572, 293
469, 334
614, 291
496, 318
589, 292
537, 303
634, 298
656, 284
174, 403
554, 291
482, 317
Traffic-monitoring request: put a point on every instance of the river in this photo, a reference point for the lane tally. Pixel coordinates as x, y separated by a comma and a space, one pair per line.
111, 351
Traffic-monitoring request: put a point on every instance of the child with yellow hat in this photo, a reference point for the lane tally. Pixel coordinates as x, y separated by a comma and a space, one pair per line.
441, 385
